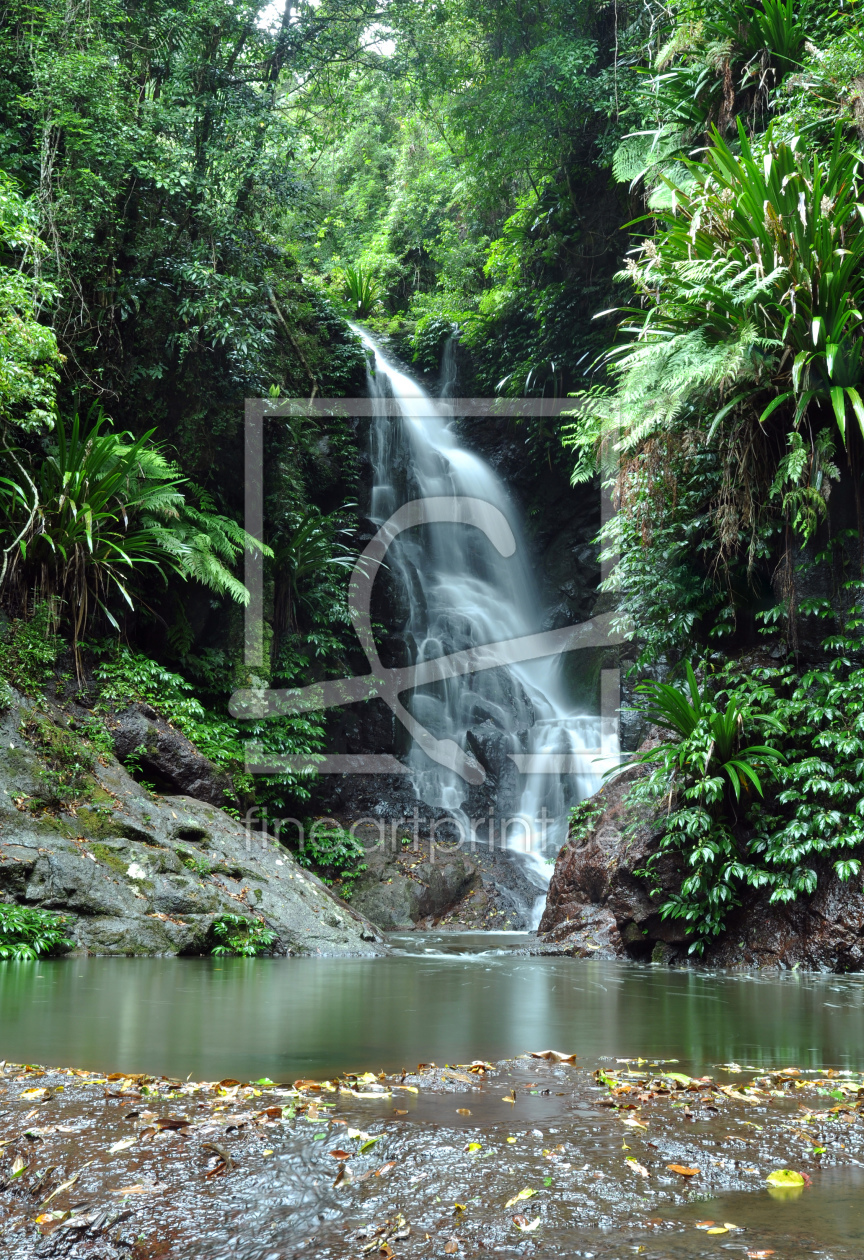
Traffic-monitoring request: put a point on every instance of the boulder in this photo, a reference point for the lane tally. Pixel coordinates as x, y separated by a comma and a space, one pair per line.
166, 757
143, 873
397, 898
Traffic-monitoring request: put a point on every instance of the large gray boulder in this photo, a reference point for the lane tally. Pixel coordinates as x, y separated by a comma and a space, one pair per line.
396, 899
142, 873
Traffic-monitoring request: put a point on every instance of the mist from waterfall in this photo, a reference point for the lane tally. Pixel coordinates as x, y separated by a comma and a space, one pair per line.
460, 593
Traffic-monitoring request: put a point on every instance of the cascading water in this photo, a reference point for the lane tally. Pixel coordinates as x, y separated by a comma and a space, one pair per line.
460, 593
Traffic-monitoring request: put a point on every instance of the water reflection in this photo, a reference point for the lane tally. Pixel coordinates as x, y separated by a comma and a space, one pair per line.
454, 998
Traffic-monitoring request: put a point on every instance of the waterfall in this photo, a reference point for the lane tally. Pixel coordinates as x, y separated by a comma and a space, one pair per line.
458, 592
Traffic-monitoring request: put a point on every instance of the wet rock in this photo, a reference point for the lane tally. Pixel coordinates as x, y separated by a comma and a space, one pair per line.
142, 874
591, 932
167, 757
396, 896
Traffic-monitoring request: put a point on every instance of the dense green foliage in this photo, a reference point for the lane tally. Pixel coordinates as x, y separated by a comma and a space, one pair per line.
796, 819
238, 935
29, 933
333, 853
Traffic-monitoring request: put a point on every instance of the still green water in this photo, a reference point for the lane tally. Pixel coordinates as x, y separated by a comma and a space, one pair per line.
444, 998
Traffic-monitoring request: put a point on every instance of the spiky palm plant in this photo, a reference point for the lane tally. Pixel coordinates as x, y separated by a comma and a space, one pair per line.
708, 739
753, 292
362, 291
98, 513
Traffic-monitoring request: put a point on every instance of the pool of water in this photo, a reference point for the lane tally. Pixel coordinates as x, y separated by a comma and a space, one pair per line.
448, 998
440, 998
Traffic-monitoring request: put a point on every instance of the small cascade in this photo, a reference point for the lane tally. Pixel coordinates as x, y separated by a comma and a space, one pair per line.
540, 758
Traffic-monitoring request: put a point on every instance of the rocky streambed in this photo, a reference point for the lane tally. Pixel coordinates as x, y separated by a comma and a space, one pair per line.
541, 1154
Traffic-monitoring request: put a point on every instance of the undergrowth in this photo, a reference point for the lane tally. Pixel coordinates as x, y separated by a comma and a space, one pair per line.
27, 933
792, 823
238, 935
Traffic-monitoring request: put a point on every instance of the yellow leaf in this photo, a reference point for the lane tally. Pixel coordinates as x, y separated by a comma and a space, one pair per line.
527, 1193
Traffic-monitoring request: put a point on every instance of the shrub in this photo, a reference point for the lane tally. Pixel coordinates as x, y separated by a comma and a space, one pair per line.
238, 935
796, 821
28, 933
334, 854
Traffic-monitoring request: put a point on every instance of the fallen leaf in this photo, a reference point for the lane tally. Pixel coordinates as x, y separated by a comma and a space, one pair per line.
527, 1193
678, 1077
462, 1111
398, 1112
136, 1189
784, 1177
45, 1218
704, 1224
760, 1255
717, 1229
228, 1083
65, 1186
122, 1145
451, 1246
633, 1123
557, 1056
340, 1154
684, 1172
512, 1139
387, 1168
473, 1146
369, 1143
638, 1168
34, 1093
460, 1207
18, 1167
522, 1222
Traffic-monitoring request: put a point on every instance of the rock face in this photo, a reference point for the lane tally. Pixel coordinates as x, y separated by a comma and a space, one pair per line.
598, 904
398, 901
148, 874
412, 883
166, 756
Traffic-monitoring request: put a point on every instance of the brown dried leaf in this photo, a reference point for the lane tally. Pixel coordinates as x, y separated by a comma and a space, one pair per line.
682, 1171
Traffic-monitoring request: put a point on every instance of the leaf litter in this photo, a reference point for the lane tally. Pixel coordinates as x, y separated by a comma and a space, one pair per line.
543, 1128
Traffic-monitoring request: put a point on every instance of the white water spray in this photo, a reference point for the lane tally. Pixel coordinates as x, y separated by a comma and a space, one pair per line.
460, 593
